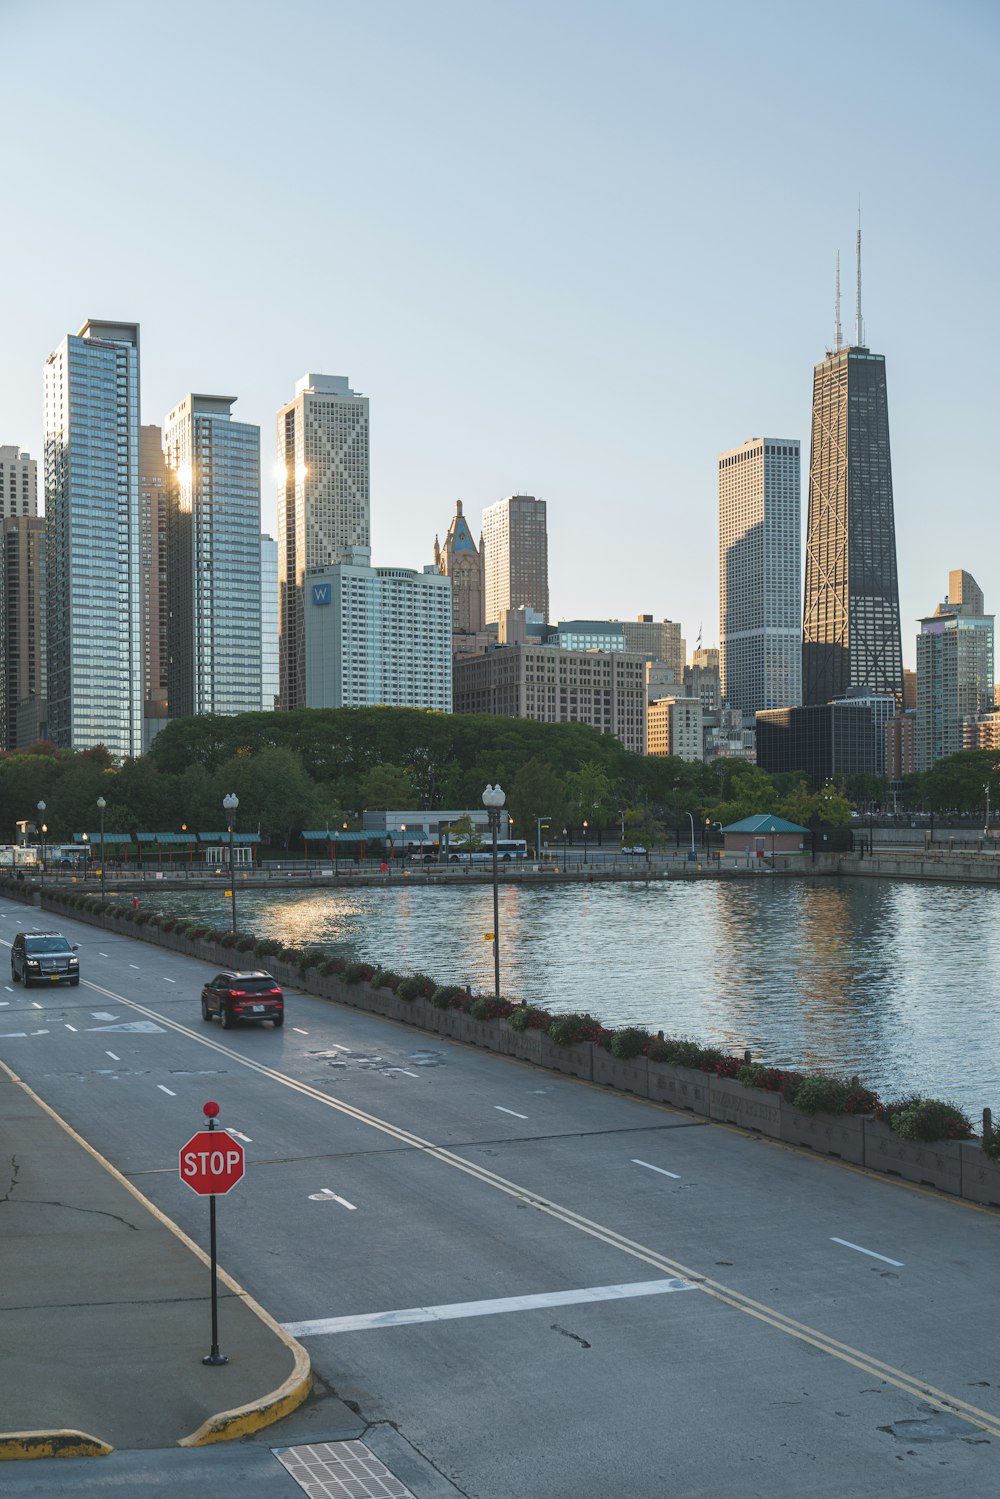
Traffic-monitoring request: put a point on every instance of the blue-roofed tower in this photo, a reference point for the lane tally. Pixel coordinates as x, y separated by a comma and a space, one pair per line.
460, 559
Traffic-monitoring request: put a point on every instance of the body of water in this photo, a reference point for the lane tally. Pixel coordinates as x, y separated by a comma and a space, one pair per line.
894, 981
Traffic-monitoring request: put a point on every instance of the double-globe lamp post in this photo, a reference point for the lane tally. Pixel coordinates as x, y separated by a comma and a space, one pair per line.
493, 799
101, 804
231, 802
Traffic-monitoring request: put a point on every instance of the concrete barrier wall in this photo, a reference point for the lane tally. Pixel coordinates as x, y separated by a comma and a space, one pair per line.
960, 1168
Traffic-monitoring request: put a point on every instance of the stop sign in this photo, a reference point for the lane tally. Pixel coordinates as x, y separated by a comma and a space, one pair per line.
212, 1162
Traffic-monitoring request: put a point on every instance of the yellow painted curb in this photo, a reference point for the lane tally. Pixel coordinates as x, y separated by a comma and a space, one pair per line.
226, 1425
25, 1444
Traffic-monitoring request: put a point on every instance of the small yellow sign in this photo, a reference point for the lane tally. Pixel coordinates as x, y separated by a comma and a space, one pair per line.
487, 936
228, 894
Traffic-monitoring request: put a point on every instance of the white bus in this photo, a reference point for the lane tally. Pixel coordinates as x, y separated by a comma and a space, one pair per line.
457, 852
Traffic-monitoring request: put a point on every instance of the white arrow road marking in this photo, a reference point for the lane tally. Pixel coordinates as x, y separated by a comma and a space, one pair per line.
403, 1070
102, 1015
485, 1308
502, 1110
245, 1138
656, 1168
883, 1257
39, 1033
146, 1027
327, 1196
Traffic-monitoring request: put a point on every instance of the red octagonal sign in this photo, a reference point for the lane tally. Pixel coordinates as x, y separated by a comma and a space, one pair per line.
212, 1162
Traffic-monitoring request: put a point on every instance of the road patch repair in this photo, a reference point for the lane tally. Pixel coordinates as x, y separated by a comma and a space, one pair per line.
104, 1309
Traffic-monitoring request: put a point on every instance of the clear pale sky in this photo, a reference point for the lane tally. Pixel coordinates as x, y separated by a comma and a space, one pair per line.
569, 249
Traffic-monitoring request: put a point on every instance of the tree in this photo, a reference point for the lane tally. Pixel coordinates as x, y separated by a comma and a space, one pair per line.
588, 793
536, 791
387, 788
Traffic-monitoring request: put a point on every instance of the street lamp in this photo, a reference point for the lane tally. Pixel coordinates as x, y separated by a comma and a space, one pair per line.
621, 814
101, 804
690, 818
493, 799
538, 839
986, 829
231, 802
41, 816
586, 825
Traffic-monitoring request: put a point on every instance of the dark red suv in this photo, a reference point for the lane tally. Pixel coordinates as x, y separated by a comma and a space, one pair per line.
243, 996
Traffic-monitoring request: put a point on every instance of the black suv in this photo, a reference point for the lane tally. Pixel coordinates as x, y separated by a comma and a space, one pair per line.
45, 956
252, 995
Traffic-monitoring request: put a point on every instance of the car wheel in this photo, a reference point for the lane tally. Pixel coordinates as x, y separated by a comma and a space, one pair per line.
206, 1013
26, 981
74, 983
278, 1022
225, 1017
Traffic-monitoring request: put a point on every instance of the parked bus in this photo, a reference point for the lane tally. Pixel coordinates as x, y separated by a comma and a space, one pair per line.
458, 851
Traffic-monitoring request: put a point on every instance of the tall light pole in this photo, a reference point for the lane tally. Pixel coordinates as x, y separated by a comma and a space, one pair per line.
986, 829
621, 814
231, 802
691, 821
538, 839
41, 819
493, 799
586, 825
101, 804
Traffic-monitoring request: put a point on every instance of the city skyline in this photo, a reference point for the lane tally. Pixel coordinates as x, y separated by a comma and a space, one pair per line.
475, 366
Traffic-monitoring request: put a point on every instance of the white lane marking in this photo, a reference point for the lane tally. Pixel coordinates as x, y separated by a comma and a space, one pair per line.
39, 1033
655, 1168
168, 981
333, 1044
327, 1196
68, 1026
245, 1138
300, 1030
133, 965
8, 988
11, 1035
4, 1001
861, 1250
166, 1090
502, 1110
102, 955
35, 1004
112, 1056
457, 1309
146, 1027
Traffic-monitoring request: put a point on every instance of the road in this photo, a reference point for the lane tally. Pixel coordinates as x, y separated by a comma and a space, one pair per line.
547, 1289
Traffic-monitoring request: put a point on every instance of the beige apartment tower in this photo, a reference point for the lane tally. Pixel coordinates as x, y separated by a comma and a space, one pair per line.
323, 504
462, 561
516, 556
18, 482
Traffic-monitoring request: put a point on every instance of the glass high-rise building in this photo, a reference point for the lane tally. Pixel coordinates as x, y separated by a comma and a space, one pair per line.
95, 666
850, 620
153, 573
214, 573
954, 669
323, 503
269, 676
760, 635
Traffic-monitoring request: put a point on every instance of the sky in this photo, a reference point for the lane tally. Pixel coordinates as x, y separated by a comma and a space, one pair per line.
568, 249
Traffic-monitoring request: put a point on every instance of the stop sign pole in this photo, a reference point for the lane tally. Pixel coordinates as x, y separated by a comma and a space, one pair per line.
209, 1170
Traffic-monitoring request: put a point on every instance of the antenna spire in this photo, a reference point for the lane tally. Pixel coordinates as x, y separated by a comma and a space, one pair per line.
859, 322
840, 337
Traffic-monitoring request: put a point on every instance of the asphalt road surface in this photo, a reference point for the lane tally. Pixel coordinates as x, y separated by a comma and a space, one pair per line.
546, 1289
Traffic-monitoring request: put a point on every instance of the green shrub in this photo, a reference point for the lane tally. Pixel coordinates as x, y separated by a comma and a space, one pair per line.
358, 973
384, 978
927, 1119
444, 994
417, 986
489, 1007
530, 1018
244, 944
567, 1030
266, 947
630, 1041
819, 1094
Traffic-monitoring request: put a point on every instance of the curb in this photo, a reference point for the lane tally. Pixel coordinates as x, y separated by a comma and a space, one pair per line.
26, 1444
222, 1427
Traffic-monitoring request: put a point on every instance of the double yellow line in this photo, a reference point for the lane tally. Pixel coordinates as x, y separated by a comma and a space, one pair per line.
909, 1384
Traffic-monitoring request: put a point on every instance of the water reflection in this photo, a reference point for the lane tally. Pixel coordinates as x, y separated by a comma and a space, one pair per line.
891, 981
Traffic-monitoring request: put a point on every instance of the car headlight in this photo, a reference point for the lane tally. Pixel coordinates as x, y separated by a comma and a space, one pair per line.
32, 962
72, 961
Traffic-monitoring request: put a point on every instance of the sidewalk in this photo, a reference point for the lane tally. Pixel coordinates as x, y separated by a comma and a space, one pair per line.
105, 1309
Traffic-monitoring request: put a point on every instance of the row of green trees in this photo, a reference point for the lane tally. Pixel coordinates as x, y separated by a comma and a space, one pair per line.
317, 768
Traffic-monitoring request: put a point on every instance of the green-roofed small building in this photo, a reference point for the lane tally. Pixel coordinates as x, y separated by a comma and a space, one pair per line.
753, 837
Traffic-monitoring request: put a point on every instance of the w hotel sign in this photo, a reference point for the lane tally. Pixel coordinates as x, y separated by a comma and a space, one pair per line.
321, 593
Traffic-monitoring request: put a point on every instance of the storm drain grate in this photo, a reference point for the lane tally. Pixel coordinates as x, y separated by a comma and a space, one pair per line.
341, 1470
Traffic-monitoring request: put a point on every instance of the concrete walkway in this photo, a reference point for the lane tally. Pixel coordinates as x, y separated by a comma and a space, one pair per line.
105, 1308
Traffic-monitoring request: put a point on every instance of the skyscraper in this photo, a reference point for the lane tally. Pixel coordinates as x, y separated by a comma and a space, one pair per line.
461, 561
850, 624
95, 675
153, 574
22, 630
214, 575
18, 482
323, 502
269, 622
516, 556
954, 669
760, 639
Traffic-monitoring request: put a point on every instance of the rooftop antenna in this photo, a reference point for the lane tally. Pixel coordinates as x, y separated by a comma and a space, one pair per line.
840, 337
859, 322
